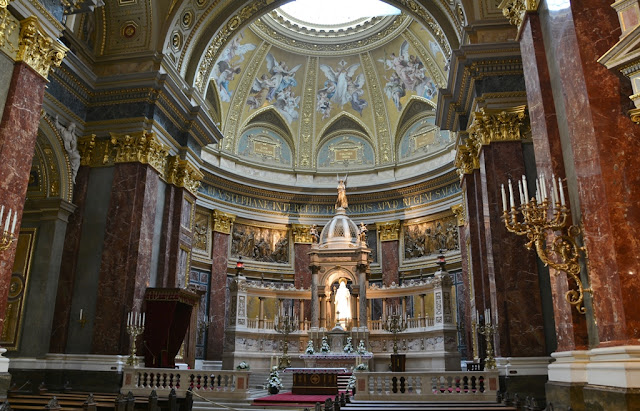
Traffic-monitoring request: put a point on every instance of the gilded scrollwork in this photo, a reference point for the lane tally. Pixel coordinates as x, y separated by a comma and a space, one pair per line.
515, 10
459, 212
141, 147
181, 173
260, 243
302, 234
389, 230
222, 222
307, 123
379, 110
424, 239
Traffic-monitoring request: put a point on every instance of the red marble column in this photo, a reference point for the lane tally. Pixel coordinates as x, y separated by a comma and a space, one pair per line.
68, 267
302, 271
571, 330
126, 256
18, 132
218, 295
177, 236
511, 268
390, 261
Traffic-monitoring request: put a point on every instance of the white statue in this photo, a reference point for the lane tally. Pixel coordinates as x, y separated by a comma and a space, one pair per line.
343, 303
70, 140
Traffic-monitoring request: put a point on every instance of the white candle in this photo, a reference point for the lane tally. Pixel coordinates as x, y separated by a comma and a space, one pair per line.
538, 191
81, 314
512, 203
1, 213
521, 192
561, 192
544, 188
555, 188
504, 199
13, 226
477, 316
6, 226
525, 188
144, 315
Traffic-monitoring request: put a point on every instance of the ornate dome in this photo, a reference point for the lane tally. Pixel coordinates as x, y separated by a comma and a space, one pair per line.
340, 232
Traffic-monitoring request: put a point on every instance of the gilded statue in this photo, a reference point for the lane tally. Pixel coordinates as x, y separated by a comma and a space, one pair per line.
341, 202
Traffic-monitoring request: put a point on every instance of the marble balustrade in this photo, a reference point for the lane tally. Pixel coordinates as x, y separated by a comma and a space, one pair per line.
207, 384
427, 386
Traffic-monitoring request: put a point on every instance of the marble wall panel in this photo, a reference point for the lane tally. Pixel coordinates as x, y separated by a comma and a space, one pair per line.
302, 278
390, 260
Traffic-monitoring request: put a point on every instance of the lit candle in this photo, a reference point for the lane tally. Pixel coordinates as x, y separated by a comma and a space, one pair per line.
512, 203
561, 192
6, 226
525, 188
521, 192
504, 199
13, 226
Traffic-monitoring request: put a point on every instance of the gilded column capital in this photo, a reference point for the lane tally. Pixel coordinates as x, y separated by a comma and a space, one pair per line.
86, 146
36, 49
515, 10
222, 222
302, 234
181, 173
141, 147
9, 35
491, 125
458, 211
466, 161
389, 230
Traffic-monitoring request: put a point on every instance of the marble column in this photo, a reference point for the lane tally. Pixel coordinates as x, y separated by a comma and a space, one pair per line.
261, 313
570, 327
316, 303
222, 227
362, 270
35, 54
303, 274
389, 250
322, 313
125, 265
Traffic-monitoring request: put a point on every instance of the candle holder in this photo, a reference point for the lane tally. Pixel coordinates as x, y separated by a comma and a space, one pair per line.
540, 216
487, 330
135, 327
395, 324
7, 236
285, 325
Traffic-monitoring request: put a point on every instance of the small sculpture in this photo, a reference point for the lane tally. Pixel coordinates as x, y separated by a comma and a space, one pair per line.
310, 349
313, 232
363, 233
361, 348
342, 202
325, 345
348, 348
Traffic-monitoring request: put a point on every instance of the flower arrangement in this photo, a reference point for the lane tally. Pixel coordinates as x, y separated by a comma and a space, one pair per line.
242, 366
361, 348
361, 367
274, 383
309, 349
352, 383
348, 348
325, 345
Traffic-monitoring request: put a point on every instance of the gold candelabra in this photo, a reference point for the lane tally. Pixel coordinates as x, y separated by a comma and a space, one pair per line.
487, 330
541, 216
135, 327
395, 324
285, 325
7, 236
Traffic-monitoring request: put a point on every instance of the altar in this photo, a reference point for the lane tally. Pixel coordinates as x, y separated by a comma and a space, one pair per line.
316, 380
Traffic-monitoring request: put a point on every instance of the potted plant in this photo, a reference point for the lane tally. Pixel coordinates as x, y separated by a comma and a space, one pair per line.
243, 366
274, 383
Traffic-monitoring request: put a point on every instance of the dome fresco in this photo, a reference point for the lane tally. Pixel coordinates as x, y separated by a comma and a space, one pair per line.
371, 78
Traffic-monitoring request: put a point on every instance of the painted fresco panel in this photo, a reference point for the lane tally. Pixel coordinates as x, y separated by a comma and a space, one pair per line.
342, 151
423, 138
229, 66
265, 146
340, 87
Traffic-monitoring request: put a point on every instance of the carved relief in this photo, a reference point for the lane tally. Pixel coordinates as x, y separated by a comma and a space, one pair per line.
421, 240
201, 231
260, 243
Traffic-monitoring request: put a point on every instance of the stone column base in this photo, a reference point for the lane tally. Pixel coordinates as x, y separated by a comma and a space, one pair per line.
597, 397
564, 395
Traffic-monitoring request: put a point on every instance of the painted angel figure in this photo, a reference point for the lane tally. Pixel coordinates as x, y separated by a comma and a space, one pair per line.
341, 79
228, 65
281, 76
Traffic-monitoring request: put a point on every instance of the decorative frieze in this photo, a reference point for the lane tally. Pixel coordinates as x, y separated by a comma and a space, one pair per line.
389, 230
222, 222
301, 234
38, 50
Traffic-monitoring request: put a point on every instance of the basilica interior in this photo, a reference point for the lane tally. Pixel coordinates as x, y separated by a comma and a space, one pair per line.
420, 187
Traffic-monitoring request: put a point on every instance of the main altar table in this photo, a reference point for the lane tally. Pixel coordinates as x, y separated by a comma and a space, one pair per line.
316, 380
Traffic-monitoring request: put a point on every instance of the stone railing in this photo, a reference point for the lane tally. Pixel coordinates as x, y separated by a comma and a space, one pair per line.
417, 323
427, 386
208, 384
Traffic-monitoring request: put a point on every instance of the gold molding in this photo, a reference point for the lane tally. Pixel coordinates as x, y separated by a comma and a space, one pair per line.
181, 173
36, 49
515, 10
222, 222
9, 36
141, 147
389, 230
635, 115
458, 211
301, 234
86, 145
